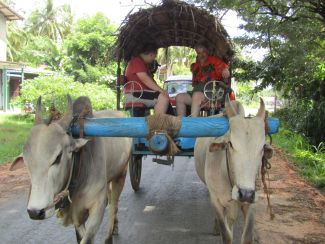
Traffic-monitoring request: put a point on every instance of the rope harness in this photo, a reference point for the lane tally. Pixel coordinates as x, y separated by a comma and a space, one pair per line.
65, 192
227, 162
264, 170
168, 125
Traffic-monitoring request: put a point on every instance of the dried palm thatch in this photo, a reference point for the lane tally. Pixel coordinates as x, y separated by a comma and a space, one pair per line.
173, 23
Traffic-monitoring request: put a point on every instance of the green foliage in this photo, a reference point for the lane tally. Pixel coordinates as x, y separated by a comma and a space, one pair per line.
310, 164
14, 130
177, 59
306, 117
54, 89
293, 33
290, 30
39, 40
52, 22
16, 40
89, 50
40, 50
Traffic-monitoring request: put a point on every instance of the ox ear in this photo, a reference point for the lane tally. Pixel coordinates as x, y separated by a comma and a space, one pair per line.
17, 163
217, 146
230, 111
78, 143
268, 151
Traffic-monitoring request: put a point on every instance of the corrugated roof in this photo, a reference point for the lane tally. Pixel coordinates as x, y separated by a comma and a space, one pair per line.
8, 13
11, 65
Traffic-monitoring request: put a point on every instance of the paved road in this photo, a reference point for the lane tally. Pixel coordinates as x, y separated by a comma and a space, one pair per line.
172, 207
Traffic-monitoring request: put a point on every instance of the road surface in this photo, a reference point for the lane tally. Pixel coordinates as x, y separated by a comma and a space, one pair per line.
172, 206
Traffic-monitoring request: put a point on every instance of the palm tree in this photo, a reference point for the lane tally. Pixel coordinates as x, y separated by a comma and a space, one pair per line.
16, 40
53, 22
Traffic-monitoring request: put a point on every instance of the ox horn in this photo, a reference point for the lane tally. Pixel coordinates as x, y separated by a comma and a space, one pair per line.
261, 110
67, 118
38, 112
230, 111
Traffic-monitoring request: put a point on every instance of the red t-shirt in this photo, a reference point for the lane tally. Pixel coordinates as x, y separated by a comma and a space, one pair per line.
210, 70
136, 65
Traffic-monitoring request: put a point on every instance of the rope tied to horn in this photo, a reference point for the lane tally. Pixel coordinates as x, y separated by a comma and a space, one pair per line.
167, 124
54, 115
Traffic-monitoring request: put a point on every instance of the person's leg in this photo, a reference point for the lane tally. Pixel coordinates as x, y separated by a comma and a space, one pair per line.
197, 99
182, 100
162, 104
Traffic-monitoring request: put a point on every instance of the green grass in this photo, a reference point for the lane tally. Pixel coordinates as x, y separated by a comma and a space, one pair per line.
310, 160
14, 130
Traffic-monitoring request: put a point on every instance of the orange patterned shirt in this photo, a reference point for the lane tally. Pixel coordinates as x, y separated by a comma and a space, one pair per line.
210, 70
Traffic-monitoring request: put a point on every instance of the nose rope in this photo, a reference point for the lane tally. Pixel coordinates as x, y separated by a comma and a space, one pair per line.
65, 193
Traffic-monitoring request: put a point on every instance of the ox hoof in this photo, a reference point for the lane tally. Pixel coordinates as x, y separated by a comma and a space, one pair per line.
109, 240
217, 228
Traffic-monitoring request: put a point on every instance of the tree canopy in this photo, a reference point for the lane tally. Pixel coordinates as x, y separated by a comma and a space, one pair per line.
293, 32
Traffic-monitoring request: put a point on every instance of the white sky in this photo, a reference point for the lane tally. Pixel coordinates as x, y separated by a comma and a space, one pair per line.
116, 10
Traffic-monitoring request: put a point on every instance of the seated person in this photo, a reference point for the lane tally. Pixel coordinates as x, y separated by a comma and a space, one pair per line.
206, 68
138, 70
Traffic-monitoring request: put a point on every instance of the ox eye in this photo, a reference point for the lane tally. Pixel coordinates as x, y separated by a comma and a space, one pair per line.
57, 160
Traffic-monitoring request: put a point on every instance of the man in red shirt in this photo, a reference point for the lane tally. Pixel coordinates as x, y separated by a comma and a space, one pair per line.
206, 68
144, 89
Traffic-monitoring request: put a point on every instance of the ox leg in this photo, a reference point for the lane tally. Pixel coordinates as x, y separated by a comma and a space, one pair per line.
249, 216
109, 192
117, 187
96, 213
78, 235
79, 229
216, 226
221, 217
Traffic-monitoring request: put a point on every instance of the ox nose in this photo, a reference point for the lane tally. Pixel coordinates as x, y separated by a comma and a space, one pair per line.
36, 214
245, 195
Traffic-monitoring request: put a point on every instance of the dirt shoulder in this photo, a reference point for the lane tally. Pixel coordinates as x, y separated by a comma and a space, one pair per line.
12, 182
298, 207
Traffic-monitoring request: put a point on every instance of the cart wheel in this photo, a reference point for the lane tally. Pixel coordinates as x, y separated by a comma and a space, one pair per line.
135, 167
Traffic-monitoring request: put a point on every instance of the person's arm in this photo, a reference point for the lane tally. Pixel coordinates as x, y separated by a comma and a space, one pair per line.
148, 81
225, 73
223, 66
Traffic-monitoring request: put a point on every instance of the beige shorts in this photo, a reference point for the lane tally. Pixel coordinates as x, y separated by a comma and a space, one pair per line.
147, 98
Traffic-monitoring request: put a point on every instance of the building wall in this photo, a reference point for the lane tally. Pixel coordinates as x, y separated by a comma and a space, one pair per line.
1, 95
3, 39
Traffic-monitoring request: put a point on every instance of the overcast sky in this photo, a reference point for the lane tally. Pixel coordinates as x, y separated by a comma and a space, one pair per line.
116, 10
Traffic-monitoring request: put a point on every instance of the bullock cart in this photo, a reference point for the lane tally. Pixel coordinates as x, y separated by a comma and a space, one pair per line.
173, 23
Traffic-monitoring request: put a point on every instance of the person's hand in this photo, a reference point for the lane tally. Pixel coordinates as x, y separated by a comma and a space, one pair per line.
225, 73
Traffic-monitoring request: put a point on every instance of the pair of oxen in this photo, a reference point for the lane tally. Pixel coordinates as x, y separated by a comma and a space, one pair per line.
228, 165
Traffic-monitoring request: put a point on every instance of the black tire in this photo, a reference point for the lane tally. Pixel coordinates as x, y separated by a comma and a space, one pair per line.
135, 167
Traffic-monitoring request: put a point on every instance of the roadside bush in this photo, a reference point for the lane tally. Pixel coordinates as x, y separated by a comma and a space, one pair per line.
305, 117
54, 89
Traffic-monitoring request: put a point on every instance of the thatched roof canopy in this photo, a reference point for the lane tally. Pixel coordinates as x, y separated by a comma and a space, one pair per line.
173, 23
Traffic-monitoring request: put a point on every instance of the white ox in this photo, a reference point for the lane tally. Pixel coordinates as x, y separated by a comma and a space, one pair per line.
229, 165
99, 179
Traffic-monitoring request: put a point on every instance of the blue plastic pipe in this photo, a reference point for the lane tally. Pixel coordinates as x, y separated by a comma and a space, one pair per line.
137, 127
